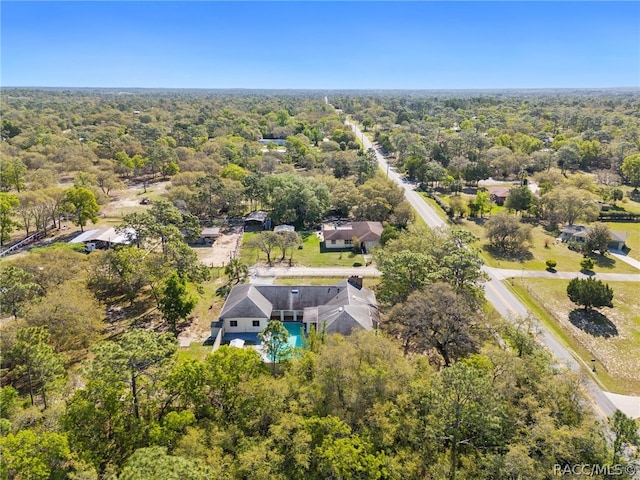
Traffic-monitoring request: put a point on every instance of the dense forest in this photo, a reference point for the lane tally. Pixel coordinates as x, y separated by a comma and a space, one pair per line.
94, 384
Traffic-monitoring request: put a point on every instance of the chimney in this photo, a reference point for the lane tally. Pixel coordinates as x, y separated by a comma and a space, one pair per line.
356, 281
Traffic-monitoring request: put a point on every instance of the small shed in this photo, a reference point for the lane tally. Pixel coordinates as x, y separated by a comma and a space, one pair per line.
209, 235
256, 221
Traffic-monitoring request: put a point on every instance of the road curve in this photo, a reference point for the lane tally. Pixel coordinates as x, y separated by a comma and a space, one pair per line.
499, 295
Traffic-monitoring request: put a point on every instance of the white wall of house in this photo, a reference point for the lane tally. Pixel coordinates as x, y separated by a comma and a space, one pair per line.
338, 244
244, 325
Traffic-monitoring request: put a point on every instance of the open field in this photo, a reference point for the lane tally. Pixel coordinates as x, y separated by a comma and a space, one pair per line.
613, 338
308, 256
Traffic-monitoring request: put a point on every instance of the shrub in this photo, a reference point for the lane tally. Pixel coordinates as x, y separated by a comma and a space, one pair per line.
357, 264
586, 264
551, 264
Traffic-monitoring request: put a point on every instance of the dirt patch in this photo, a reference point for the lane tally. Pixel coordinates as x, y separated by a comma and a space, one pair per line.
223, 249
130, 197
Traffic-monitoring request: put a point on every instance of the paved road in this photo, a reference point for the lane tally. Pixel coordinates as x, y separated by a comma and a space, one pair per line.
501, 298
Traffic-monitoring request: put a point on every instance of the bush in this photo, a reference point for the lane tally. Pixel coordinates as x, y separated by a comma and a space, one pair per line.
551, 264
357, 264
586, 264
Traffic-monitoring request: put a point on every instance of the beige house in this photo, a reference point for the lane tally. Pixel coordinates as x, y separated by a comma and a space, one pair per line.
342, 236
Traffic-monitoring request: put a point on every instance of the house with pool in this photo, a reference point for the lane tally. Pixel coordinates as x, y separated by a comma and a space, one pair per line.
342, 308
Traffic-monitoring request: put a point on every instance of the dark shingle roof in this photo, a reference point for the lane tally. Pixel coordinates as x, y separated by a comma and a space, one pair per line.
340, 307
245, 301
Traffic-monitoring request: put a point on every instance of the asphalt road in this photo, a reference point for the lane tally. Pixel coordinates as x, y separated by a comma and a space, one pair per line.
500, 296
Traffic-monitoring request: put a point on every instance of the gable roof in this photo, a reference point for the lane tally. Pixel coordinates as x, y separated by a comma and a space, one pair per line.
618, 236
363, 231
256, 216
245, 301
499, 192
349, 306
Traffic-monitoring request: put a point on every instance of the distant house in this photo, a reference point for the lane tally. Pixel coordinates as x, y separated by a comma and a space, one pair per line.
498, 194
342, 308
578, 234
342, 236
102, 238
256, 221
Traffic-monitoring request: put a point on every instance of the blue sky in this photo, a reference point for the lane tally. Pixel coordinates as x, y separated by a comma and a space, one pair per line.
321, 45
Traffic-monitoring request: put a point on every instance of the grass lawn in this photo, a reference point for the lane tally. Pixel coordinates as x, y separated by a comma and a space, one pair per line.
308, 256
633, 239
538, 253
613, 339
195, 351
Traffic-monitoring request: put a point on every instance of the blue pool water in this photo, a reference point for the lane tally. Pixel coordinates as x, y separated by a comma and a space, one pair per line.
296, 332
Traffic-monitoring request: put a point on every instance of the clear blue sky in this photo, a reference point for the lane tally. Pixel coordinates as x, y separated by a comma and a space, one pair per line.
321, 45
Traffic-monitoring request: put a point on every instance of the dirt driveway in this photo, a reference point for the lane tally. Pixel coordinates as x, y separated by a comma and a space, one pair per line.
223, 249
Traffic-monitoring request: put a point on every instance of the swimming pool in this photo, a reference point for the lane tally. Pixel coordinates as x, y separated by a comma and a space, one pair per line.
296, 333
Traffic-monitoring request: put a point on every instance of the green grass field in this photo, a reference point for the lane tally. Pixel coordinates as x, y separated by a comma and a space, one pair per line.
308, 256
617, 356
633, 238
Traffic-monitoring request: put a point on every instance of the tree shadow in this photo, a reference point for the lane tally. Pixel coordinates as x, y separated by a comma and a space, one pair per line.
593, 322
602, 261
515, 256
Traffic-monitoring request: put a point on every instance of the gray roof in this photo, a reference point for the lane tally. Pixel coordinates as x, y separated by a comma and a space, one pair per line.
210, 231
257, 216
245, 301
618, 236
341, 307
284, 228
573, 229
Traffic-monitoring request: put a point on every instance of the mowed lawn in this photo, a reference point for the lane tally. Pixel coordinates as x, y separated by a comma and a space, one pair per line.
633, 236
543, 247
308, 256
614, 342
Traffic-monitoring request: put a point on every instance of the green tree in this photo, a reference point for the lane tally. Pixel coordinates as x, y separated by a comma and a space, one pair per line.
434, 317
266, 242
481, 204
506, 233
71, 314
519, 199
153, 463
598, 238
82, 203
176, 303
467, 410
365, 165
12, 175
631, 170
568, 205
625, 432
16, 289
275, 341
35, 358
35, 456
590, 293
8, 204
568, 157
236, 271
